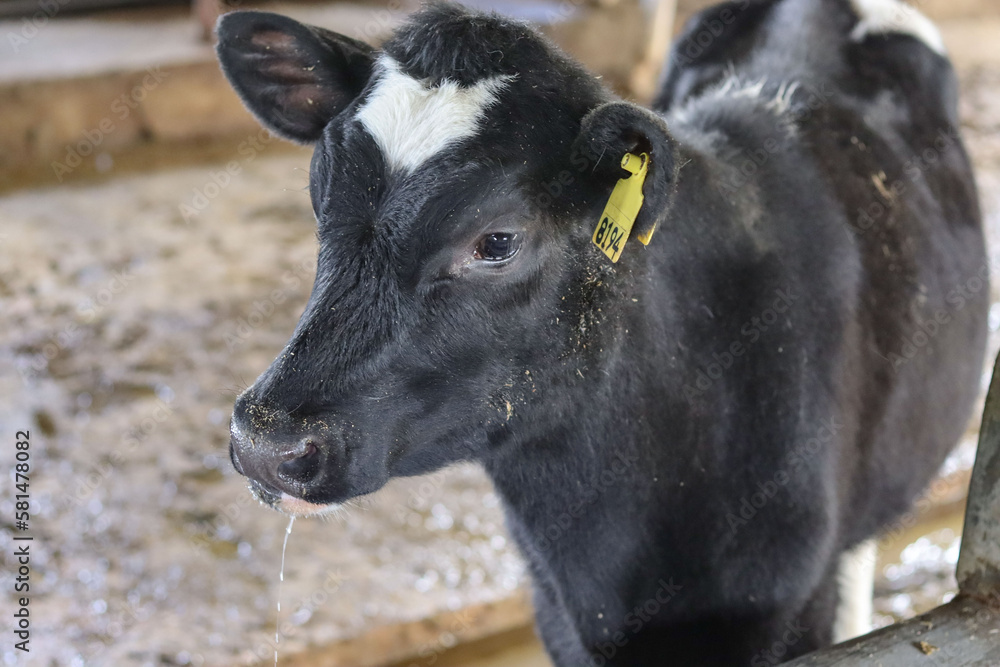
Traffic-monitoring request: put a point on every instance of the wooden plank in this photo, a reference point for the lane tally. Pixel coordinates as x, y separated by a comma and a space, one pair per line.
965, 632
421, 641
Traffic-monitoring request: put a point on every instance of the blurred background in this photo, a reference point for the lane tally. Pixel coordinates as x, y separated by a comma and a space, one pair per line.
156, 249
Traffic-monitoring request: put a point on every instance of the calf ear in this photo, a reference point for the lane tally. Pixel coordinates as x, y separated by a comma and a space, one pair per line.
294, 78
616, 128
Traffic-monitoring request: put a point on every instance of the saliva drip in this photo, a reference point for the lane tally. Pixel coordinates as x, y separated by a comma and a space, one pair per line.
281, 580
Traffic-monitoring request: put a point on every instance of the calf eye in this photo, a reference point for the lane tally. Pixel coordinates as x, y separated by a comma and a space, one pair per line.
498, 246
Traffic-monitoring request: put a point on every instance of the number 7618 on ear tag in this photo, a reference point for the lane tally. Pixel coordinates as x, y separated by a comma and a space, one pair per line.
622, 208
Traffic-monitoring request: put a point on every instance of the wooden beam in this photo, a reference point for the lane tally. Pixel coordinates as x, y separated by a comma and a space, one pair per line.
979, 561
965, 632
646, 75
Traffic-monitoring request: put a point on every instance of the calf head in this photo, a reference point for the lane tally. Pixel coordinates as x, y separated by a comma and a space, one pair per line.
458, 174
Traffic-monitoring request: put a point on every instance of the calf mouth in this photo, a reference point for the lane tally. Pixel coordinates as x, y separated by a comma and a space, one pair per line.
298, 507
288, 504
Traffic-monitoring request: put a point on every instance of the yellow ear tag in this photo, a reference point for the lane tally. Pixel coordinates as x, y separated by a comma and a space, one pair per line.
622, 208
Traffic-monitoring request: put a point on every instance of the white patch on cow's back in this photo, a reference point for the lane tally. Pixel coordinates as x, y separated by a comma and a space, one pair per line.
885, 16
856, 583
412, 121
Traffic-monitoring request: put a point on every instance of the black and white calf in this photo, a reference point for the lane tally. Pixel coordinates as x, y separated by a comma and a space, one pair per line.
688, 441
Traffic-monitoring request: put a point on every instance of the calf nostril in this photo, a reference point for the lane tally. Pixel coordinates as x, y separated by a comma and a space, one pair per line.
303, 448
301, 462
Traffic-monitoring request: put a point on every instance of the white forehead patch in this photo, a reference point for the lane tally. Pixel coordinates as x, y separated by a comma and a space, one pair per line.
411, 121
884, 16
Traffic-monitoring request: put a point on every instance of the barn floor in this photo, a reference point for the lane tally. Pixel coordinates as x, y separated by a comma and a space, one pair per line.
133, 312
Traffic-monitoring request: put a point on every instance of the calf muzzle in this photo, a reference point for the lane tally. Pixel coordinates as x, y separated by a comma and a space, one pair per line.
279, 463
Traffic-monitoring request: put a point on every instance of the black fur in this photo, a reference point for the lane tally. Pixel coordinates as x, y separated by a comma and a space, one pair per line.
685, 441
450, 43
293, 77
